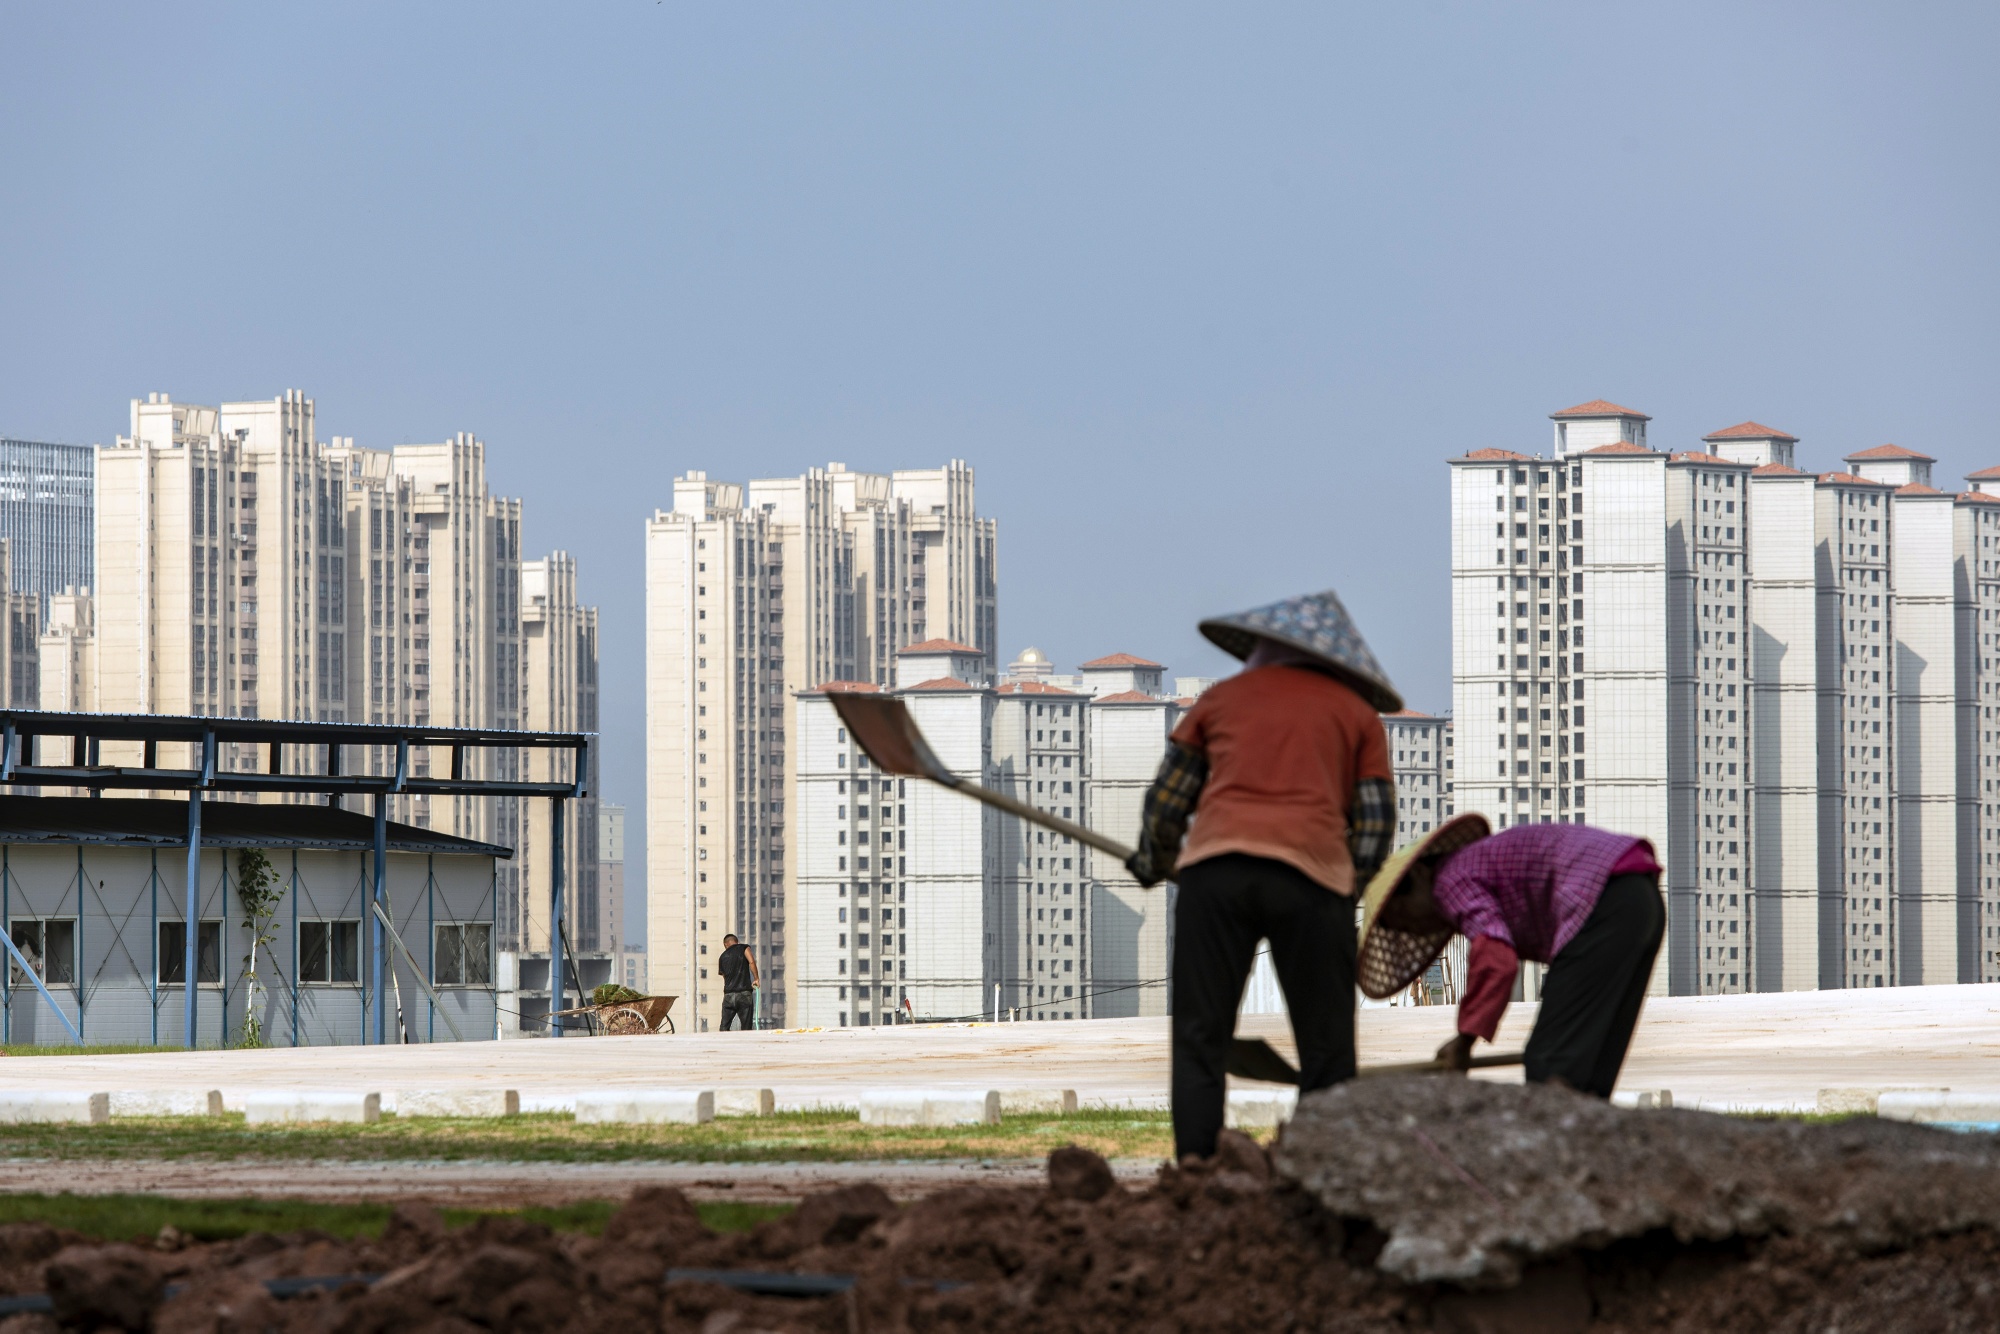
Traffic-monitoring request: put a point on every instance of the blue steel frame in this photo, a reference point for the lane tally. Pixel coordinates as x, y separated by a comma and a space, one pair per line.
20, 729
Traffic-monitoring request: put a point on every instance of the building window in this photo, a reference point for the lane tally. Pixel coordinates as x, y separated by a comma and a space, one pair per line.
49, 945
463, 954
208, 954
329, 952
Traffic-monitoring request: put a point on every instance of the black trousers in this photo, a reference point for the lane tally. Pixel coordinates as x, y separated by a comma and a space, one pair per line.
740, 1006
1594, 990
1226, 905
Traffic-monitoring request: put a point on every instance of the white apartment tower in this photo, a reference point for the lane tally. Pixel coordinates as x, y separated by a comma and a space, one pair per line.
754, 594
1420, 752
220, 534
1042, 922
1785, 680
1976, 560
1131, 941
558, 694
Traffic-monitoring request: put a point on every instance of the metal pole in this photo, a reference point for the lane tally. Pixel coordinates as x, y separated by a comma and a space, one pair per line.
82, 973
153, 981
295, 947
430, 950
555, 913
7, 930
193, 910
381, 888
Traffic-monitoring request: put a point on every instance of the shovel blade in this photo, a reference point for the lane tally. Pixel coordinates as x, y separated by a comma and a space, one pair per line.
883, 727
1254, 1058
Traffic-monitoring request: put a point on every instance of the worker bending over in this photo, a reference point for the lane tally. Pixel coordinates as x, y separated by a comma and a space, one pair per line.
1284, 769
1584, 901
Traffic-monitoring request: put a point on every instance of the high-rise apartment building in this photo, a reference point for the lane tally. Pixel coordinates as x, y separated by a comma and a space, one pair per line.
611, 879
559, 694
1779, 678
249, 569
906, 891
755, 593
220, 543
1420, 753
64, 665
46, 513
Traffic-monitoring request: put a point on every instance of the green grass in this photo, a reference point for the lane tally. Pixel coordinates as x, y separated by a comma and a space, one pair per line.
789, 1137
130, 1217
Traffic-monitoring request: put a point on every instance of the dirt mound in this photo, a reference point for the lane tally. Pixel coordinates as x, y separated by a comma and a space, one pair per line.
1730, 1225
1471, 1181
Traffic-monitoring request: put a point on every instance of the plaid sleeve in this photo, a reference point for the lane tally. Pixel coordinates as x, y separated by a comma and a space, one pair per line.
1164, 817
1371, 825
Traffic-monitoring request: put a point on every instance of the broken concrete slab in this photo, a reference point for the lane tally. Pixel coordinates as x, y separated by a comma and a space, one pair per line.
1471, 1182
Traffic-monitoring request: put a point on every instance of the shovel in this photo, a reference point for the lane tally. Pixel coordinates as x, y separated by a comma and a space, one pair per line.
1253, 1058
884, 729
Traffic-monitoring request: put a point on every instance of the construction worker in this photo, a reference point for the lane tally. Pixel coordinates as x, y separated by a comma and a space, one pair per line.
1284, 769
1584, 901
740, 981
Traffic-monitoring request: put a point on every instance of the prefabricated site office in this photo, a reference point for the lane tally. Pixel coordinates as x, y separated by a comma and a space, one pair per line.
381, 932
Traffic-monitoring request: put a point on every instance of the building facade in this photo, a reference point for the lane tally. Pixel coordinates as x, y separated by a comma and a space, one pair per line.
1420, 751
1777, 677
47, 513
755, 593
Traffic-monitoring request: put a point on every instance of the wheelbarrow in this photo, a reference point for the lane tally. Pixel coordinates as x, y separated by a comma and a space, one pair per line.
648, 1014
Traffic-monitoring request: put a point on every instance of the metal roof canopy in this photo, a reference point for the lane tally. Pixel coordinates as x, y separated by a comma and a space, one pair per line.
126, 822
22, 729
22, 764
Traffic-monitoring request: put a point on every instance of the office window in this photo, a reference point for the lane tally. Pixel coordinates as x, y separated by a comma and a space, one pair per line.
330, 952
208, 954
464, 955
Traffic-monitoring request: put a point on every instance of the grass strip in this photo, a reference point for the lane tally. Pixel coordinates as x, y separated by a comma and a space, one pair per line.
141, 1217
820, 1136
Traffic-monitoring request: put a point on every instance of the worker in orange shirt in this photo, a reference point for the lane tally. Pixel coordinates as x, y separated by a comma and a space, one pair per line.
1284, 771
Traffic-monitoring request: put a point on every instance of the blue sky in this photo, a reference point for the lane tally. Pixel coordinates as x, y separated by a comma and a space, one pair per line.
1205, 293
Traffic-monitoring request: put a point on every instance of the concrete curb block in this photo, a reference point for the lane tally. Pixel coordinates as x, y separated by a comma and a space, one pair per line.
646, 1107
1644, 1100
1861, 1101
1259, 1109
929, 1107
1037, 1102
167, 1102
458, 1102
745, 1102
18, 1106
1934, 1105
283, 1106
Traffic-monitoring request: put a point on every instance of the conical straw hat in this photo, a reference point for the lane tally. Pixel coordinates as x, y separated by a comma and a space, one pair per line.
1315, 623
1389, 959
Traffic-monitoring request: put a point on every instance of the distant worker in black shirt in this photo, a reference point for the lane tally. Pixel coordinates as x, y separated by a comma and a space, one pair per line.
740, 981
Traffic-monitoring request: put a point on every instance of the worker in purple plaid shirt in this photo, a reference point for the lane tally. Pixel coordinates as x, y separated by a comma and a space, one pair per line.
1584, 901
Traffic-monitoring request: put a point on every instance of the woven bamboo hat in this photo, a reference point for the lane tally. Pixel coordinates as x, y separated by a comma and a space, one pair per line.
1314, 623
1391, 959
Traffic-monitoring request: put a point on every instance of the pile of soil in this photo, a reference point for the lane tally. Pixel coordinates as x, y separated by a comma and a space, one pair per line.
1600, 1221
